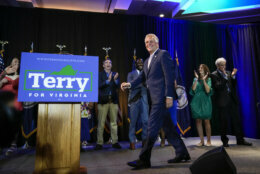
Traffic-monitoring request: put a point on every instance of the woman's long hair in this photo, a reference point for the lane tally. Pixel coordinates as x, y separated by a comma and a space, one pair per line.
18, 69
206, 70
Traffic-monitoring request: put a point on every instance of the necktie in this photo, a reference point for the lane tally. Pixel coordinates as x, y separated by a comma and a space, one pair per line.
227, 85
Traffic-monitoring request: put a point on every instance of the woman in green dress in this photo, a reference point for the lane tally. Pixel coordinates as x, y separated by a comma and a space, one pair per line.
201, 106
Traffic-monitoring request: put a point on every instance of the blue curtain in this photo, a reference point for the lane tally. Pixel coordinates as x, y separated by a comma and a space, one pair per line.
246, 57
197, 43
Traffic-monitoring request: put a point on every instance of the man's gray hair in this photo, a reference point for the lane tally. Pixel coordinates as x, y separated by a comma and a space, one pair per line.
152, 36
219, 60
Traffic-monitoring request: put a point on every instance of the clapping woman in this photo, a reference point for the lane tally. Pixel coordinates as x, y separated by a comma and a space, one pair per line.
201, 106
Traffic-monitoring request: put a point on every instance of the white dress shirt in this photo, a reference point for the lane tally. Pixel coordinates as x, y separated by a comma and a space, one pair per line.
151, 57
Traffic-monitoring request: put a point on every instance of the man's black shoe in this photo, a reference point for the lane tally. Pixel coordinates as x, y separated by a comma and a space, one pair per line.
180, 158
98, 147
244, 143
116, 146
138, 164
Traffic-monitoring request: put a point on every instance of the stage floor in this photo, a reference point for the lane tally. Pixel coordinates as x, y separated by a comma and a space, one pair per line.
110, 161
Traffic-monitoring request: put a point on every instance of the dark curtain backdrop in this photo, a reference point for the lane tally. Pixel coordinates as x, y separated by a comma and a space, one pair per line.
195, 43
246, 57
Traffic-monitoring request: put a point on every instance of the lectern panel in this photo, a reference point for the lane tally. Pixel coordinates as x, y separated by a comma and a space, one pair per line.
58, 137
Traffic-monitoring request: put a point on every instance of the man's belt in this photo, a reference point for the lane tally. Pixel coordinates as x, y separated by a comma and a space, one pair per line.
110, 99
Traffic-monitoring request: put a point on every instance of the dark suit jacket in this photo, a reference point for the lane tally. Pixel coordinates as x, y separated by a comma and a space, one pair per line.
137, 92
105, 89
221, 94
159, 77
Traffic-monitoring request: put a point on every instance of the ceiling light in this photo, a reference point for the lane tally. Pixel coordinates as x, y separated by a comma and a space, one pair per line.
161, 15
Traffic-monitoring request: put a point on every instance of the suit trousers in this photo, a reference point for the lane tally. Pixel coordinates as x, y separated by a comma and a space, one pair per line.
138, 110
160, 118
226, 113
110, 109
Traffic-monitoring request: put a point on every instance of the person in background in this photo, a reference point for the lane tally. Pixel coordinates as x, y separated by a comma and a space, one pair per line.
108, 102
10, 83
224, 85
138, 105
201, 106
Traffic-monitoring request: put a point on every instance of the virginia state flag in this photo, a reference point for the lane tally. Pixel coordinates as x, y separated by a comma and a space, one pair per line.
2, 65
29, 126
183, 111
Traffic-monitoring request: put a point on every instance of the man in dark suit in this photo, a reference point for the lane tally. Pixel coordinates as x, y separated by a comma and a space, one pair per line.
159, 77
138, 102
227, 103
107, 102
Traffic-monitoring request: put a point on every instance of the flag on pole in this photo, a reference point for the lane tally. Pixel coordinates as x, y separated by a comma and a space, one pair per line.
29, 126
2, 64
183, 111
87, 119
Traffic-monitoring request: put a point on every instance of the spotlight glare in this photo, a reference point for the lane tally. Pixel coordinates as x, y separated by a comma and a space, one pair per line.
161, 15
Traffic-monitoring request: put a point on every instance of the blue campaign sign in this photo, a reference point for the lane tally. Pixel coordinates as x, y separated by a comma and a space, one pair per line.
58, 78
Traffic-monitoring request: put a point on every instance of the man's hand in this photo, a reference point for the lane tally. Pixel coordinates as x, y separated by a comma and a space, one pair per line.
116, 76
110, 77
125, 85
234, 72
224, 71
169, 102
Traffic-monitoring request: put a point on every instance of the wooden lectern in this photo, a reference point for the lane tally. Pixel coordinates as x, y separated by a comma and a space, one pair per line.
58, 78
58, 139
